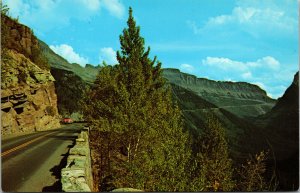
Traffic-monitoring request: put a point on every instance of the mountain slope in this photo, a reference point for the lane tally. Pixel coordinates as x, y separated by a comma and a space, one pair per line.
71, 81
281, 128
87, 73
195, 110
240, 98
281, 124
70, 89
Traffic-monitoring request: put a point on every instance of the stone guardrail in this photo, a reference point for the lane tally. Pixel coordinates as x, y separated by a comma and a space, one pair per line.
77, 175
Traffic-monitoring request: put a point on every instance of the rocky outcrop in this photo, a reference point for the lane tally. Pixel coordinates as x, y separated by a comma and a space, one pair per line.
18, 37
28, 99
77, 176
240, 98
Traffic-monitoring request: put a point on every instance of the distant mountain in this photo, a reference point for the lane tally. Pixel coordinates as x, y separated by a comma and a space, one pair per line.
195, 110
71, 80
88, 74
281, 129
70, 90
240, 98
251, 119
282, 122
276, 130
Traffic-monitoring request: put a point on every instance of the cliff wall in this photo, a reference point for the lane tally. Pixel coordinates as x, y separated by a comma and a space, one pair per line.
28, 98
240, 98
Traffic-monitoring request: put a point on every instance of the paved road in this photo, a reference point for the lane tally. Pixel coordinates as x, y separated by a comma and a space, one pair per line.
32, 163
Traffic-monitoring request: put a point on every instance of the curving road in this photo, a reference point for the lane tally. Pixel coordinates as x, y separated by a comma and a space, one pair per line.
32, 163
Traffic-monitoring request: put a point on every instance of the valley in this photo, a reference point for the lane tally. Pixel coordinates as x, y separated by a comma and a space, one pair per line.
149, 125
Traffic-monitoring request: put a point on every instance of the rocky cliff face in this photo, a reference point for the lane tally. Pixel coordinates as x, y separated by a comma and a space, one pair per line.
20, 37
28, 99
240, 98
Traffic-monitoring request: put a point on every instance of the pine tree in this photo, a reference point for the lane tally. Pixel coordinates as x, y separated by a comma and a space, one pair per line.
132, 106
212, 168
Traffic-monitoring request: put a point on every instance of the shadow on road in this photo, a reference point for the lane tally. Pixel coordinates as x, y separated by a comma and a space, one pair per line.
56, 171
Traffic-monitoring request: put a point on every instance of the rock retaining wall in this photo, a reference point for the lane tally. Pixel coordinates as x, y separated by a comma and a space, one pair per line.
77, 176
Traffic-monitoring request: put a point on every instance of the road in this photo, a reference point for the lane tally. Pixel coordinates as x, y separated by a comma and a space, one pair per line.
32, 163
224, 107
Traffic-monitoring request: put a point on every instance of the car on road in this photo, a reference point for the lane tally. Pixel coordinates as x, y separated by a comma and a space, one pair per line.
67, 121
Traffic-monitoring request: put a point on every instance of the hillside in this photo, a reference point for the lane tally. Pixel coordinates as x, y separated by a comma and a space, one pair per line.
70, 89
28, 98
185, 88
240, 98
195, 110
281, 128
87, 73
71, 81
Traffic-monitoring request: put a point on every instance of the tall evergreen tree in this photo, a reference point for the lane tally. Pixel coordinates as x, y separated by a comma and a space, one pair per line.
147, 148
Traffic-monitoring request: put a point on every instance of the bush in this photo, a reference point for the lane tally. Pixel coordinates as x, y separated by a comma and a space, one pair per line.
251, 175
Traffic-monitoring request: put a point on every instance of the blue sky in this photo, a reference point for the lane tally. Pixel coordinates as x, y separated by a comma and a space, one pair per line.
253, 41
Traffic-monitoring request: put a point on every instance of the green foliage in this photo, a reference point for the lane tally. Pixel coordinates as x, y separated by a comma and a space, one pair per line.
4, 9
137, 130
212, 168
251, 175
145, 146
69, 89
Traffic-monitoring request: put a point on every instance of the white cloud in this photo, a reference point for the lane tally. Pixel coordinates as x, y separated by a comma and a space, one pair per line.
45, 15
247, 75
261, 72
260, 84
270, 62
228, 64
254, 19
224, 63
92, 5
187, 67
17, 7
69, 54
219, 20
115, 7
108, 55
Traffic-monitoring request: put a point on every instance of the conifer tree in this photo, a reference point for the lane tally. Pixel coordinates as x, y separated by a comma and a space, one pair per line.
132, 105
212, 168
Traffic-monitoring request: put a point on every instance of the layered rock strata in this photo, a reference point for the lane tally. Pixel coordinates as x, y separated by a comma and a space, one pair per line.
28, 98
240, 98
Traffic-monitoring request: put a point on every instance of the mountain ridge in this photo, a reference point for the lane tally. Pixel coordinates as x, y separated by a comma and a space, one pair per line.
241, 98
